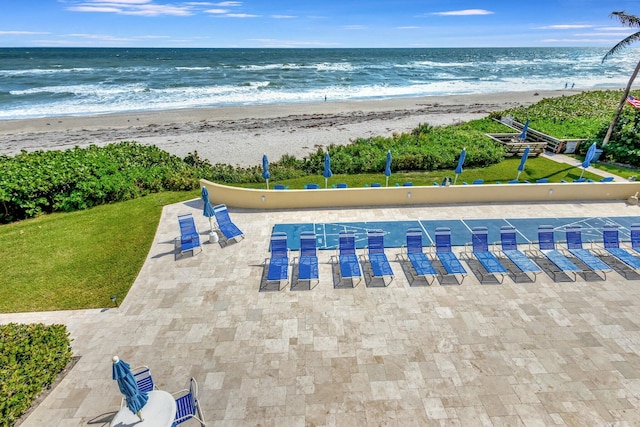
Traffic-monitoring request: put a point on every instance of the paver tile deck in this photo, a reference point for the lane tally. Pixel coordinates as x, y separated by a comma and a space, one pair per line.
513, 354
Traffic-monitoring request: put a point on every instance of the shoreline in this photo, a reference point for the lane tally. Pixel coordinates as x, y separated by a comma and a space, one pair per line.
240, 135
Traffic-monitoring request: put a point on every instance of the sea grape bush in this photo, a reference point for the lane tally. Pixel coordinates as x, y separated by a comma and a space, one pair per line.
50, 181
31, 356
426, 148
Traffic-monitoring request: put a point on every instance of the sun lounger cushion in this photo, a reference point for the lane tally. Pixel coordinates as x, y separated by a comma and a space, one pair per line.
417, 258
308, 263
612, 245
450, 262
189, 237
226, 226
510, 250
279, 261
347, 258
483, 255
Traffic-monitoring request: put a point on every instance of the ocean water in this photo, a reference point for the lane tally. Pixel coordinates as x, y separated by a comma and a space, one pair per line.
41, 82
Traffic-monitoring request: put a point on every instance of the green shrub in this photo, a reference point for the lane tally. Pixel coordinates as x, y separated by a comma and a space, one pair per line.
31, 356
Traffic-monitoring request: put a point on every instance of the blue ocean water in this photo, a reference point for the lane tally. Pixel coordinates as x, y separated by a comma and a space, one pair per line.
40, 82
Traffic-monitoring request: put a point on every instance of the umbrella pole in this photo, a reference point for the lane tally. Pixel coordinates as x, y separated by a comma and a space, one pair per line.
518, 177
267, 184
326, 183
455, 179
139, 414
387, 181
583, 169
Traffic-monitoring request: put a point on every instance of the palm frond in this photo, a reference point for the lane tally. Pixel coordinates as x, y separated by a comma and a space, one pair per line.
626, 19
622, 44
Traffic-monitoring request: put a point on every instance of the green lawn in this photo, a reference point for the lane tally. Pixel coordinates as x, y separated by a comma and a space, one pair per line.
78, 260
536, 168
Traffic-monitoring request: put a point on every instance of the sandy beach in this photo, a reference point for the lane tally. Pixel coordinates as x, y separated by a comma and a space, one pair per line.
239, 135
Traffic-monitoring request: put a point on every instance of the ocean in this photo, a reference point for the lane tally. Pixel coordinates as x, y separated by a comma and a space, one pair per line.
42, 82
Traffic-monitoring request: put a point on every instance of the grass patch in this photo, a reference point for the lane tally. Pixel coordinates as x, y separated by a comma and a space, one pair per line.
536, 168
78, 260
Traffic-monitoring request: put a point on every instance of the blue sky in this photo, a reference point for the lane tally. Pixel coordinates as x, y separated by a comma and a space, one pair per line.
311, 24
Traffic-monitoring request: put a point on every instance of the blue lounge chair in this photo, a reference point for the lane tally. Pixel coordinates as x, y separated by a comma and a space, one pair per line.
611, 243
226, 226
348, 259
542, 181
488, 261
635, 237
607, 179
342, 185
189, 237
419, 261
308, 260
376, 185
188, 406
509, 248
312, 186
574, 246
278, 264
452, 265
407, 184
556, 261
278, 187
380, 267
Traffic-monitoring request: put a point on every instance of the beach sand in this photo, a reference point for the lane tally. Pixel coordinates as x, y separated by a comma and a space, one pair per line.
240, 135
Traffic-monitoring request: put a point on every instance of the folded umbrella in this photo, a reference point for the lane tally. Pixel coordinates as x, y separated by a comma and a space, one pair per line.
135, 399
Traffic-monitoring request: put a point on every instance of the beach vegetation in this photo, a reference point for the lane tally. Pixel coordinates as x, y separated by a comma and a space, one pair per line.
630, 21
31, 357
43, 182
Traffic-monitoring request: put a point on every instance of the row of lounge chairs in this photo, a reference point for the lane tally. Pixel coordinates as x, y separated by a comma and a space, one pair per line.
489, 265
190, 238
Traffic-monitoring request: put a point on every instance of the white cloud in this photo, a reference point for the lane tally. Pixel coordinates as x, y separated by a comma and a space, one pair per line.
465, 12
241, 15
283, 16
229, 4
132, 7
600, 34
408, 28
21, 33
565, 27
103, 37
217, 11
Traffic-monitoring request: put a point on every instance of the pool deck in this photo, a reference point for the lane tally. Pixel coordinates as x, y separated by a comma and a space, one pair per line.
530, 354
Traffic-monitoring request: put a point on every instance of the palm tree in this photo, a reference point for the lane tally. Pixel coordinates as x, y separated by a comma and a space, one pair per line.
632, 22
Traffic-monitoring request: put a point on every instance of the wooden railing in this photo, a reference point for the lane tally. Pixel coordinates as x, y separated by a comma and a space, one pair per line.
550, 143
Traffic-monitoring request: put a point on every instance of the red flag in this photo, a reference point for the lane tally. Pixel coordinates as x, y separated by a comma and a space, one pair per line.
633, 101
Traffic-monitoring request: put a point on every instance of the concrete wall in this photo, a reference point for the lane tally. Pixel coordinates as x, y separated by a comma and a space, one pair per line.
394, 196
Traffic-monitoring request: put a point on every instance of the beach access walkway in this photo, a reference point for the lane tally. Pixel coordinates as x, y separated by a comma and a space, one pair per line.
541, 353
